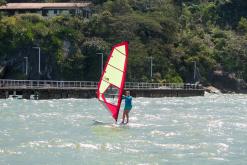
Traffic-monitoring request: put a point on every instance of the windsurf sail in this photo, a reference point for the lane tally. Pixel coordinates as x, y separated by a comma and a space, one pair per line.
111, 84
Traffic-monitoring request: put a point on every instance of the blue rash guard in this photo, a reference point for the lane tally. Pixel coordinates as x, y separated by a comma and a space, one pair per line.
128, 102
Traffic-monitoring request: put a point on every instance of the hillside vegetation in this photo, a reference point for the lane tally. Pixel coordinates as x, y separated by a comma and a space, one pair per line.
175, 33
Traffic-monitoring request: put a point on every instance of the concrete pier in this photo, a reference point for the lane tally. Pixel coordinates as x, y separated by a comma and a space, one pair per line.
32, 89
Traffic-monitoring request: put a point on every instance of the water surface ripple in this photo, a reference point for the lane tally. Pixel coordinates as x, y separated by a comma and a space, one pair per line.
189, 131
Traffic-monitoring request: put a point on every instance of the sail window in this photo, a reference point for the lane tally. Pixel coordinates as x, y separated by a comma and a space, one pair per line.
111, 95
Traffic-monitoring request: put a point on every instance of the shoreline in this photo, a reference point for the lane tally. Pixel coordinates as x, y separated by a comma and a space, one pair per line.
44, 94
213, 89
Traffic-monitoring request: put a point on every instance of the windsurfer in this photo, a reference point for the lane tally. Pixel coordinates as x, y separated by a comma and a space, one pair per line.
127, 107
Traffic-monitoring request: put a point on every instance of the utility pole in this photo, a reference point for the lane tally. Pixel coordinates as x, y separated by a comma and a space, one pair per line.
39, 58
26, 58
194, 76
151, 66
102, 61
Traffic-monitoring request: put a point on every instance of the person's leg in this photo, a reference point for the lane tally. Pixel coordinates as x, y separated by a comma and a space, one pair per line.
127, 116
123, 118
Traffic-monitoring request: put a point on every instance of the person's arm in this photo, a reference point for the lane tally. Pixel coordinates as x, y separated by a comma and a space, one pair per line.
123, 96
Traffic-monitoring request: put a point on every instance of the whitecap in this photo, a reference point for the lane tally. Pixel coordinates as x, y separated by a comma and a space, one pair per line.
78, 117
217, 158
51, 105
190, 116
10, 152
222, 147
215, 124
141, 141
165, 109
33, 144
63, 145
5, 105
177, 146
35, 102
24, 117
145, 103
133, 118
109, 147
230, 140
70, 104
118, 147
4, 132
241, 125
161, 133
36, 115
135, 125
130, 150
152, 117
89, 146
25, 100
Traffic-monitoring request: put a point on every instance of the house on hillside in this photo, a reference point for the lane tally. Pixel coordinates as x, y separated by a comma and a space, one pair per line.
48, 9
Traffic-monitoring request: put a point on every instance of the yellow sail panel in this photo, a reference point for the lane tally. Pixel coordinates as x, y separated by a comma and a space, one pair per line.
122, 49
117, 60
113, 76
104, 85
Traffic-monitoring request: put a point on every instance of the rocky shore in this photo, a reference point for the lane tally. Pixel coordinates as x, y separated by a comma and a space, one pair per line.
224, 82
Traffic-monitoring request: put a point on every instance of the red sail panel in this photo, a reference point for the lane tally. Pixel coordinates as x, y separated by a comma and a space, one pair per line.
111, 84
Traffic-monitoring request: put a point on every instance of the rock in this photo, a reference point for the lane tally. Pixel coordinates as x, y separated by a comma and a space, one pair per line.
211, 89
227, 82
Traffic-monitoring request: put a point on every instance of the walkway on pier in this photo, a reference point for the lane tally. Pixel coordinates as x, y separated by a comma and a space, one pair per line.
44, 89
47, 84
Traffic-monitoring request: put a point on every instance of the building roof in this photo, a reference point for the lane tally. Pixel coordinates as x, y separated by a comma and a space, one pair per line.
22, 6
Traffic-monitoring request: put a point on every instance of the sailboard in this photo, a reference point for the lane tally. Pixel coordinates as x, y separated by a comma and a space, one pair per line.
111, 84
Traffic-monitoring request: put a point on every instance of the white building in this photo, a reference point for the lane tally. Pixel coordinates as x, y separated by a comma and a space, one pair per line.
48, 9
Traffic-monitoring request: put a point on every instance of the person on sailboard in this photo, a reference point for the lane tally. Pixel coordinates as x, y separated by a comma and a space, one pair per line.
127, 106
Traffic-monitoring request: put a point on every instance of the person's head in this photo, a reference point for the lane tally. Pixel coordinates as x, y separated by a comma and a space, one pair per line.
127, 93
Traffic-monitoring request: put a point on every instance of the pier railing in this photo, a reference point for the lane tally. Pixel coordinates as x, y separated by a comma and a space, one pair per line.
47, 84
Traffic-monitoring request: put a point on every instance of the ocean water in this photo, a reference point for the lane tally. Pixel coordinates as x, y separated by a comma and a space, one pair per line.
188, 131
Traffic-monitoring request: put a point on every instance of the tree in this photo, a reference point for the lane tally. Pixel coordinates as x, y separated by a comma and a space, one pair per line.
2, 2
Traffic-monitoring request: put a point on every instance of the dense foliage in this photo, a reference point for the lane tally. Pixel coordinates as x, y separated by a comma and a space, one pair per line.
175, 33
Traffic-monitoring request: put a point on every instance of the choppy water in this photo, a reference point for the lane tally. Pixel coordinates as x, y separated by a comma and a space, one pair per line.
197, 130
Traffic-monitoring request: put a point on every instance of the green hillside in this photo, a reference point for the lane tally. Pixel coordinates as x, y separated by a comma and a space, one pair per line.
176, 33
